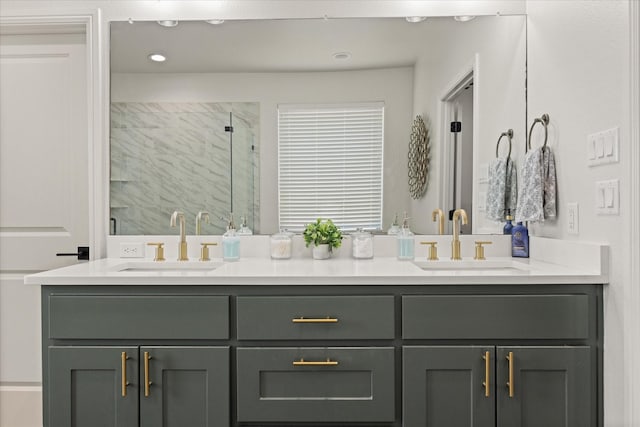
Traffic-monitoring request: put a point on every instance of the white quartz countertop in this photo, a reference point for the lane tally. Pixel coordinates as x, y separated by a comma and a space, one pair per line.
338, 271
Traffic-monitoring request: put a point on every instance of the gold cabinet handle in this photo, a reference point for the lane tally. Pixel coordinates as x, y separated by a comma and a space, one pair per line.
125, 383
510, 382
315, 320
327, 362
487, 372
147, 382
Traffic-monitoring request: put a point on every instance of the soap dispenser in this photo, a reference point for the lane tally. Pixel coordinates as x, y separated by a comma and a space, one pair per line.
406, 241
508, 226
395, 228
244, 230
230, 242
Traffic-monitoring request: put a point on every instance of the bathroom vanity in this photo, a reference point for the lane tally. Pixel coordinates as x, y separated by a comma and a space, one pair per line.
338, 342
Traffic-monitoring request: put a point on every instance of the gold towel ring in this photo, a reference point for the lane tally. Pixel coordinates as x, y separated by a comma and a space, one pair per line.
545, 121
508, 134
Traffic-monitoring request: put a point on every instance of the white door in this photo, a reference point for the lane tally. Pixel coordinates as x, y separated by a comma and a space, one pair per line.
44, 206
43, 149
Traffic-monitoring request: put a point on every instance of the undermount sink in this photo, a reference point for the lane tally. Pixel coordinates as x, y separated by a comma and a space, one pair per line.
471, 265
166, 267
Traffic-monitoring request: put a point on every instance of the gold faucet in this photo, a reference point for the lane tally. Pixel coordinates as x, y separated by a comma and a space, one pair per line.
182, 248
199, 218
458, 214
438, 215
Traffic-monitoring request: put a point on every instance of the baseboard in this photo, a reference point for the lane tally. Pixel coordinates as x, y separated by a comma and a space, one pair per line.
20, 405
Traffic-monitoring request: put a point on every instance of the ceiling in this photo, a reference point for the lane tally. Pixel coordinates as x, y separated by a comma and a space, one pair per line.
271, 45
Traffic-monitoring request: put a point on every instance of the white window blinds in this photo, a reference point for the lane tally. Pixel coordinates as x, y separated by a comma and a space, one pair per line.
330, 165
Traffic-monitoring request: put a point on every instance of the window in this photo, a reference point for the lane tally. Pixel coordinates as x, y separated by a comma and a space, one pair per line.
330, 165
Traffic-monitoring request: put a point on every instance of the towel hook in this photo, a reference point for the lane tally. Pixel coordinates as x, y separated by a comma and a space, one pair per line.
545, 121
508, 134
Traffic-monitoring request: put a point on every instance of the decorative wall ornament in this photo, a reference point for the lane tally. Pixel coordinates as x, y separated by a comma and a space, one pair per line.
418, 158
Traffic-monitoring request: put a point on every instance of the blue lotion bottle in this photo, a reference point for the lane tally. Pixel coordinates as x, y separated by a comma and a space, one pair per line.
406, 241
231, 243
520, 241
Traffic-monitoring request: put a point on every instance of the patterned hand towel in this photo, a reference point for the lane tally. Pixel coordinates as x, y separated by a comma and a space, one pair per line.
537, 197
502, 194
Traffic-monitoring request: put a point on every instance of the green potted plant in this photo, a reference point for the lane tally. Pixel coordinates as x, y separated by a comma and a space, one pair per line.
324, 235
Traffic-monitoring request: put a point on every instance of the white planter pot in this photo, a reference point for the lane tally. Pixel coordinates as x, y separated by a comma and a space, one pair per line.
321, 252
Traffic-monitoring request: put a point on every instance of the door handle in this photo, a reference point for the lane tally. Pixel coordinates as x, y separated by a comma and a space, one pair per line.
125, 383
147, 381
82, 254
487, 372
510, 382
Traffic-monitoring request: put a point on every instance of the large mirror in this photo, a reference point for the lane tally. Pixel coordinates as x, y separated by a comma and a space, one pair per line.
199, 131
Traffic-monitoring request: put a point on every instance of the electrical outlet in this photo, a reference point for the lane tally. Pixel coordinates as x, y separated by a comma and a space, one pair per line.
132, 250
572, 218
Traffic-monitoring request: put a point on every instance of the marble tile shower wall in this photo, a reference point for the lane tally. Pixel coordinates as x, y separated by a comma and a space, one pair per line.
176, 156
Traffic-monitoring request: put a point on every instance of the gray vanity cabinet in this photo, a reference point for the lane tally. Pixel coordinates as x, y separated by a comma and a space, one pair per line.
334, 355
119, 357
485, 386
107, 386
536, 366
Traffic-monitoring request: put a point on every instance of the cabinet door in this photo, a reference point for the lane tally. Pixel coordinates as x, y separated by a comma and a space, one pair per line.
447, 386
550, 386
189, 386
86, 387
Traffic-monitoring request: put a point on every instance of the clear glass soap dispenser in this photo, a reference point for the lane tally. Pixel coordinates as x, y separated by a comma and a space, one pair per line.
406, 241
394, 228
244, 229
230, 242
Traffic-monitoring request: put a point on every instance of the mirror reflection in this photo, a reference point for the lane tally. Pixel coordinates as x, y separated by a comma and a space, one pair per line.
199, 131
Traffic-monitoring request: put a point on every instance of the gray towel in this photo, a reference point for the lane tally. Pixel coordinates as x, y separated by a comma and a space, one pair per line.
502, 194
537, 197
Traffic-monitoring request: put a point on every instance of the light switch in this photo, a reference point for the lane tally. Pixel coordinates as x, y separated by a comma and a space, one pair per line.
608, 197
600, 145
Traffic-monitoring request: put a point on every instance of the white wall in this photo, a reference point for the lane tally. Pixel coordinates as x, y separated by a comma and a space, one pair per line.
578, 73
393, 86
497, 47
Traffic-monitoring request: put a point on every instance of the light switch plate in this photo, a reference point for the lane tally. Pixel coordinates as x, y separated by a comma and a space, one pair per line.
572, 218
603, 147
607, 197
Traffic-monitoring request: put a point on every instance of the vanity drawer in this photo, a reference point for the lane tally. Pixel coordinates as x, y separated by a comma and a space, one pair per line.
495, 317
315, 317
138, 317
346, 384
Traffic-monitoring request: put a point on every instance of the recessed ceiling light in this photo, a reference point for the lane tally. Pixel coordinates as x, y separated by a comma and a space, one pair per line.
342, 56
214, 21
168, 23
464, 18
414, 19
157, 57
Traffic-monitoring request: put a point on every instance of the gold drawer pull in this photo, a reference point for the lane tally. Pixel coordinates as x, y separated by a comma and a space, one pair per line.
327, 362
125, 383
315, 320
